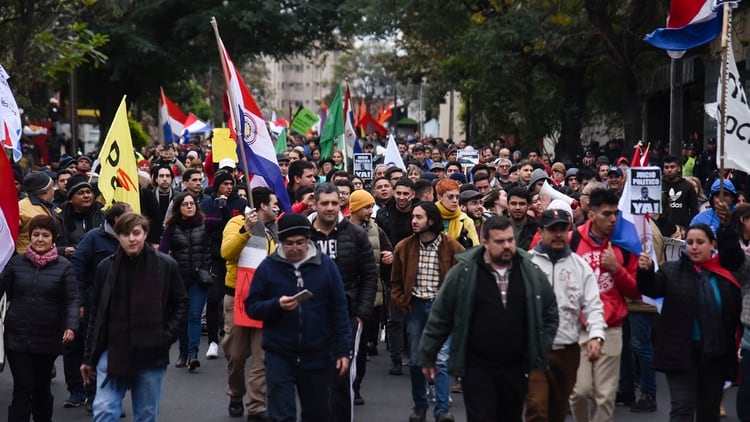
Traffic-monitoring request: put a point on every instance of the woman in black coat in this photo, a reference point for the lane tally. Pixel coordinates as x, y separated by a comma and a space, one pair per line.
186, 240
41, 318
695, 332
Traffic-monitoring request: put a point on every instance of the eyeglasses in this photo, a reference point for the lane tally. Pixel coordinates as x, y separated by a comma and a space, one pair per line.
297, 244
187, 204
451, 197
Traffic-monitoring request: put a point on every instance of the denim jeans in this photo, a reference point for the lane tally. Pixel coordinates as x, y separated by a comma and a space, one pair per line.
145, 392
415, 323
190, 339
638, 346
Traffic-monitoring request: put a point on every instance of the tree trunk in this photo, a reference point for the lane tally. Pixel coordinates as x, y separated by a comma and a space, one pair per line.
569, 144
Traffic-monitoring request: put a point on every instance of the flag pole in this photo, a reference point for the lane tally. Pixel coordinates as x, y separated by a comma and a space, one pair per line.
724, 70
234, 110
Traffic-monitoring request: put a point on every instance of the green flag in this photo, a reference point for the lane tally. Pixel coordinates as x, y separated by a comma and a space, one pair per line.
333, 130
280, 145
303, 121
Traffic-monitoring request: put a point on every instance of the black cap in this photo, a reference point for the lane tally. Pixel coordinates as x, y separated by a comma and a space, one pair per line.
77, 183
294, 225
282, 157
554, 216
36, 181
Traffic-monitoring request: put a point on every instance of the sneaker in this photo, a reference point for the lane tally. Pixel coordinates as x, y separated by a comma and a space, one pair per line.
75, 400
236, 408
213, 351
625, 399
396, 368
645, 404
431, 393
445, 417
456, 387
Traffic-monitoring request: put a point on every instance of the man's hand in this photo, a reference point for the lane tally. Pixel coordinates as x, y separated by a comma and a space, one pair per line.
88, 373
722, 211
250, 219
386, 257
645, 262
430, 373
342, 365
594, 349
69, 251
68, 336
609, 259
288, 303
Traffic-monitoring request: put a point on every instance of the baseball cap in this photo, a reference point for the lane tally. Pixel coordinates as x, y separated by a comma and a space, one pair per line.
615, 170
227, 162
554, 216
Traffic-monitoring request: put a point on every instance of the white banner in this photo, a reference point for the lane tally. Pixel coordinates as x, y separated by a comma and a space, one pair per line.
10, 117
736, 151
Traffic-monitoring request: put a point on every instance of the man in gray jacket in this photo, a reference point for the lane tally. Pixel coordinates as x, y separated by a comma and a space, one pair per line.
577, 295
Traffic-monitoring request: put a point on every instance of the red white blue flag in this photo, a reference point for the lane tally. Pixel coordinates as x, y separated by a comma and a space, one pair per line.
171, 118
253, 134
691, 23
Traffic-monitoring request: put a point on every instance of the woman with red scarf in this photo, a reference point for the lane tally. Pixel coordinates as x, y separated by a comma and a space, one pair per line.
695, 333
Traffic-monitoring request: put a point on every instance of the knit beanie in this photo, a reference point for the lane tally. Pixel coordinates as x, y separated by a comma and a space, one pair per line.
445, 185
77, 183
293, 225
36, 181
222, 176
360, 199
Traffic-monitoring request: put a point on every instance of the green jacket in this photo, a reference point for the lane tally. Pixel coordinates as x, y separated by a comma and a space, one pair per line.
451, 313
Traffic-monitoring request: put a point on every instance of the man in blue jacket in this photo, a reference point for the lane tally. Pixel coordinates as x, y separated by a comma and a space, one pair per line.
302, 338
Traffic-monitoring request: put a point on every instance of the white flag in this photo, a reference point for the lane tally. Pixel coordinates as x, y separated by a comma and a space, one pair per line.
10, 117
736, 151
392, 156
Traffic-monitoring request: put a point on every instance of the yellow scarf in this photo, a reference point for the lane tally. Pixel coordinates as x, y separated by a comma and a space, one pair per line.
454, 225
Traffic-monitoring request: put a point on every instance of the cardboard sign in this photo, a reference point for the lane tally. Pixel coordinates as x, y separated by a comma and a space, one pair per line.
468, 157
363, 166
645, 190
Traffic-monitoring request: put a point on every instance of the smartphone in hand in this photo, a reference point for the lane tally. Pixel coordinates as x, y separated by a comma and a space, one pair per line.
302, 296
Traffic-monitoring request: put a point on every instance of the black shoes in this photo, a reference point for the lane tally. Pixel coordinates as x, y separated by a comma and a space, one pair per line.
445, 417
395, 368
236, 408
418, 414
181, 362
193, 363
625, 399
358, 400
645, 404
258, 417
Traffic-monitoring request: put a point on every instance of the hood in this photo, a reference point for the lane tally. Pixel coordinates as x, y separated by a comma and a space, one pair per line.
313, 255
538, 175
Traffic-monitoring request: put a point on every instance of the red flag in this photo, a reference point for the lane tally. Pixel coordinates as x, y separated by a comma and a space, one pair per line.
8, 211
368, 124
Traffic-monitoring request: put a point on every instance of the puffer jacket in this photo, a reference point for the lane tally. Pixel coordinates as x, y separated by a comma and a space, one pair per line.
350, 249
94, 247
43, 304
184, 241
74, 225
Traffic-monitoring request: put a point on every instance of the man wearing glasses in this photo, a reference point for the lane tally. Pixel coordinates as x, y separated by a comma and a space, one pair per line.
303, 339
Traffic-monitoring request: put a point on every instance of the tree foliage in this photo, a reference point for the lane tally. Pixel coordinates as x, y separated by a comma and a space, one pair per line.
528, 67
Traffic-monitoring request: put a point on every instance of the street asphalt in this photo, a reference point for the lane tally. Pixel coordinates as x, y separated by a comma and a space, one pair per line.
201, 396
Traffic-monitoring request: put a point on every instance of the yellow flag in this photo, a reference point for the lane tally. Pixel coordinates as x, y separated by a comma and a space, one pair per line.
223, 146
118, 178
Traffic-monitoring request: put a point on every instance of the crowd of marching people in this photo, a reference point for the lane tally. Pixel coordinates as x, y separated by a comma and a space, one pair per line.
500, 279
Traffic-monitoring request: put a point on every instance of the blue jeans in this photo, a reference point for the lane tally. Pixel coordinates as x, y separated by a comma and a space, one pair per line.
190, 338
415, 323
638, 345
313, 388
145, 392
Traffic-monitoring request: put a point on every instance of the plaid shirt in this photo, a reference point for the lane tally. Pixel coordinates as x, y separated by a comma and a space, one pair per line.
428, 271
501, 280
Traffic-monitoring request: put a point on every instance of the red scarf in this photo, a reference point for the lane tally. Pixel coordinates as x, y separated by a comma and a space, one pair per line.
713, 266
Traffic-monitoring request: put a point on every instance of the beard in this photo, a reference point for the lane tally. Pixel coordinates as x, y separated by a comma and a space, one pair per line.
501, 260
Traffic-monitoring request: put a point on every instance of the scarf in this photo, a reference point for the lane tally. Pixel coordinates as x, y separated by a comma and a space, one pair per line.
712, 265
454, 224
136, 319
43, 259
